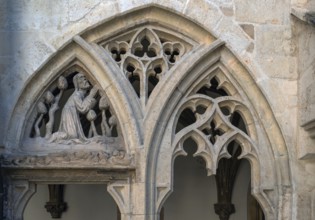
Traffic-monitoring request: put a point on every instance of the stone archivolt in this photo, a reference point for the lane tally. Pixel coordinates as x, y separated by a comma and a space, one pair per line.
125, 111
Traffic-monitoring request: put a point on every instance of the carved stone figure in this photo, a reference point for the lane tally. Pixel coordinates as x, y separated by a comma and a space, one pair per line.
70, 126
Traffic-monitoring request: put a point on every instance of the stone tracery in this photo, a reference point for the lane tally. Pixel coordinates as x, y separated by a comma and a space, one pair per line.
213, 127
212, 120
145, 56
219, 132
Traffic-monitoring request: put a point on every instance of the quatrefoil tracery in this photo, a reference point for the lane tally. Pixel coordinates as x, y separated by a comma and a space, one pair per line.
144, 58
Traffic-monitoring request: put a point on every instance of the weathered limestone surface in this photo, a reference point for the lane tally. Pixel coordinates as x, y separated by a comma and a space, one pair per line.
305, 40
276, 48
262, 11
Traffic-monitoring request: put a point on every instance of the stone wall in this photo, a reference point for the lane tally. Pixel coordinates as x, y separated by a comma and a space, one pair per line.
275, 46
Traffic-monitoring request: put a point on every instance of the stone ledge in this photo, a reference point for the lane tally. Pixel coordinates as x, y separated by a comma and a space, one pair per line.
304, 14
306, 147
81, 175
310, 128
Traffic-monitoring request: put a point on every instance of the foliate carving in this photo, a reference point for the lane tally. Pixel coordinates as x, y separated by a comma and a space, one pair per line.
145, 57
74, 112
224, 210
56, 206
213, 119
53, 103
55, 209
77, 158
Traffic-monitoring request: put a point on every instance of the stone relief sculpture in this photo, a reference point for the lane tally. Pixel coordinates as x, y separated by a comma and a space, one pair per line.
70, 125
79, 158
82, 102
74, 115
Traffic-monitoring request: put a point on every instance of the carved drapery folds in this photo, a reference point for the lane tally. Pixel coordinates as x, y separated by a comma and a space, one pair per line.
145, 56
80, 111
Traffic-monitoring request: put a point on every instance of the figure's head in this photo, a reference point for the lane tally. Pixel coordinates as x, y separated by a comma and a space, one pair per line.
80, 82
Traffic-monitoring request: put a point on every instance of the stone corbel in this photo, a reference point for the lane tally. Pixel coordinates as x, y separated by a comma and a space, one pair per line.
225, 179
56, 206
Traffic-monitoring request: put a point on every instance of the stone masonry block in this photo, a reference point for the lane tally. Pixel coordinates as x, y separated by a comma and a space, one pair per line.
275, 40
257, 11
203, 12
33, 14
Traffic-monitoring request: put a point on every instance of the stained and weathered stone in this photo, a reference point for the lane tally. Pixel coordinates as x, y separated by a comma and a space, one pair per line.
271, 73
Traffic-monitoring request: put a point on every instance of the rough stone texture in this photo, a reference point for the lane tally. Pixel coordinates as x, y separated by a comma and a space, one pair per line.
249, 29
262, 11
277, 84
274, 46
227, 11
305, 40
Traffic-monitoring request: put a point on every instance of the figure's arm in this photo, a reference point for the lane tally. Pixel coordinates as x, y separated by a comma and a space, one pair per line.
83, 106
93, 92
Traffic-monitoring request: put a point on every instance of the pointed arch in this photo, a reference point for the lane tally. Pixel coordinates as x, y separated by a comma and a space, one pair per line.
270, 142
150, 129
100, 70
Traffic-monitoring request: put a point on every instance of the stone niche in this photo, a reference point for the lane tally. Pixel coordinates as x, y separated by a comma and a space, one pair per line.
72, 123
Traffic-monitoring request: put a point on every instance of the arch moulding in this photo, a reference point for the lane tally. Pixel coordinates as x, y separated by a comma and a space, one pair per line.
146, 93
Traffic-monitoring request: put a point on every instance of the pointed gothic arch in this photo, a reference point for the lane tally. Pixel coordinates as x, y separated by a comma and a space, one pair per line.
269, 142
149, 124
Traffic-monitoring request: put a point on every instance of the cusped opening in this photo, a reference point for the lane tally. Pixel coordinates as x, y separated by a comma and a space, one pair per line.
193, 191
79, 202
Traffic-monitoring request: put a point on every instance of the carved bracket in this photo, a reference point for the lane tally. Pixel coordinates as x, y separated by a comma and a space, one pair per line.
225, 179
224, 210
56, 206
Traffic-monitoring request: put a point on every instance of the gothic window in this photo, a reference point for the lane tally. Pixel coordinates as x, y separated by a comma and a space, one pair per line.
145, 56
123, 101
213, 115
